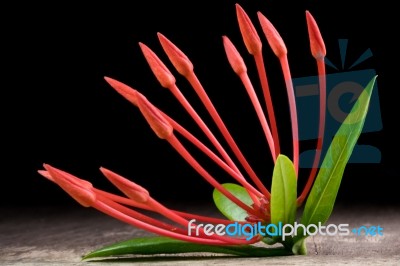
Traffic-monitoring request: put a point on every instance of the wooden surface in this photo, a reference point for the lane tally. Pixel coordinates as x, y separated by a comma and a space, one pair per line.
51, 236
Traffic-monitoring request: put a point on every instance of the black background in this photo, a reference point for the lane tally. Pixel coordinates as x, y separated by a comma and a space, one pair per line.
62, 112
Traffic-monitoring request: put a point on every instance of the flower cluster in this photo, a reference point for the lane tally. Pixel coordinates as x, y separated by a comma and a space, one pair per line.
126, 208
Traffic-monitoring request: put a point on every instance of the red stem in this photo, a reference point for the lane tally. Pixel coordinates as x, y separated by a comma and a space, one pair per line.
176, 92
179, 96
122, 211
262, 74
140, 216
260, 113
293, 112
203, 218
122, 200
213, 157
193, 80
189, 158
180, 220
321, 130
129, 202
103, 207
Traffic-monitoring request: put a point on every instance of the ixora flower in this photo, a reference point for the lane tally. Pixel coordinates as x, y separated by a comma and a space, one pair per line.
253, 213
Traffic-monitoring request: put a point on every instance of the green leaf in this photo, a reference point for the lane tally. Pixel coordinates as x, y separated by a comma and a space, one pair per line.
283, 192
227, 207
322, 197
269, 240
165, 245
300, 248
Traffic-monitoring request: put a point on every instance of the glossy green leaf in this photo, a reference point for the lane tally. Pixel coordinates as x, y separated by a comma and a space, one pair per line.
227, 207
164, 245
322, 197
283, 192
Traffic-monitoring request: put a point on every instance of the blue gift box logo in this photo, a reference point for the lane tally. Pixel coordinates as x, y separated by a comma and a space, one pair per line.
343, 88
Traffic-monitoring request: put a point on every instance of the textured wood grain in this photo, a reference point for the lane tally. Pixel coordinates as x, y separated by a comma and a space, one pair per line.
54, 236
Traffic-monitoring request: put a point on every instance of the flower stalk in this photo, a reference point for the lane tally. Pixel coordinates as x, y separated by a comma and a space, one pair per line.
318, 51
136, 198
254, 47
88, 196
181, 61
279, 48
